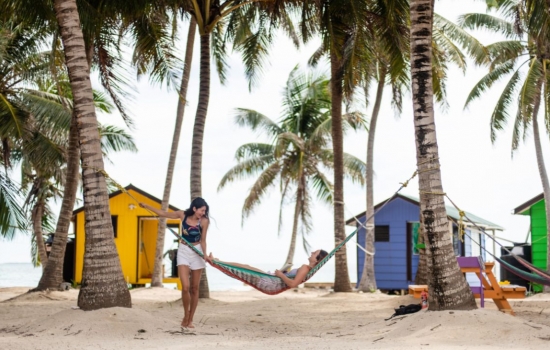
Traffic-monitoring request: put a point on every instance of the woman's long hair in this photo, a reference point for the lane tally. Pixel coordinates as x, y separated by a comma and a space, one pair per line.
197, 203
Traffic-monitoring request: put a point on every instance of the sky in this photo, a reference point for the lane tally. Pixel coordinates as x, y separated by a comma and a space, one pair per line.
479, 176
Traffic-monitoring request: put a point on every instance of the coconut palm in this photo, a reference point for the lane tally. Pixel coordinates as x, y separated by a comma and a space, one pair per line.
103, 284
447, 286
20, 63
345, 39
524, 58
156, 280
44, 160
298, 155
249, 25
450, 45
102, 25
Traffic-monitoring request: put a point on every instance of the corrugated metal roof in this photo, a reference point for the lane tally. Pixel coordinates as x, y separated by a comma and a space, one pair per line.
451, 212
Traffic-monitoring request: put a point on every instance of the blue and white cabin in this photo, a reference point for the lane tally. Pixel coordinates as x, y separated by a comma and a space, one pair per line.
396, 236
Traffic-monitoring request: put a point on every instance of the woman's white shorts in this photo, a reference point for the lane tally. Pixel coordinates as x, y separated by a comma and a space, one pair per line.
186, 256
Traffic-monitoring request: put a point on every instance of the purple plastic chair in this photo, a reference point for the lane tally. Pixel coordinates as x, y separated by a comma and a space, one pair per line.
475, 262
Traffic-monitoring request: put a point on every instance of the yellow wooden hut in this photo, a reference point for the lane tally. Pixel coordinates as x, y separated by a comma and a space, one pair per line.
135, 236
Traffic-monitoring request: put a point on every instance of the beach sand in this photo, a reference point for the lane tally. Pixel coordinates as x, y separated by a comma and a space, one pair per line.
297, 319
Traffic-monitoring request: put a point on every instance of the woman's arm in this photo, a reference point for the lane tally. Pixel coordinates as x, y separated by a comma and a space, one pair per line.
204, 227
162, 213
299, 279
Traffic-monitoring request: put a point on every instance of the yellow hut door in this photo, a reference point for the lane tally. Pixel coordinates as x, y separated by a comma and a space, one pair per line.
147, 238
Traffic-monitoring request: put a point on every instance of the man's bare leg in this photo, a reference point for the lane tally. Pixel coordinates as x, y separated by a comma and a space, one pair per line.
244, 266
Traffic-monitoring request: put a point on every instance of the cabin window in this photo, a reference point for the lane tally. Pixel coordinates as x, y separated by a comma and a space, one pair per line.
382, 233
114, 221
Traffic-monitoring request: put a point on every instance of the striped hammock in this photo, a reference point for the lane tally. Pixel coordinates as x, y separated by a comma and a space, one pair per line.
264, 282
539, 278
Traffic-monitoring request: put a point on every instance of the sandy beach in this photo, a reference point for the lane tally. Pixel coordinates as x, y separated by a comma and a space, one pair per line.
297, 319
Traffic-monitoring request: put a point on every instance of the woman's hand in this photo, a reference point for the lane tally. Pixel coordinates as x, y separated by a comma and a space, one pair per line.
279, 274
207, 258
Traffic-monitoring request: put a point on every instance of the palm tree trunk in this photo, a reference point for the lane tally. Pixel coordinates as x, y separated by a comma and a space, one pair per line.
368, 278
447, 286
299, 199
341, 278
37, 214
53, 274
198, 135
544, 180
156, 280
103, 284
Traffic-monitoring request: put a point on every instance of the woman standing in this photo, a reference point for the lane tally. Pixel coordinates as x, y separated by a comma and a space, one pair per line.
195, 226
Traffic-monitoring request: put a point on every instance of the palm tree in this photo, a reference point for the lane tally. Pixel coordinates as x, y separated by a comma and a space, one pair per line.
345, 39
45, 162
211, 18
156, 280
447, 286
298, 154
525, 57
389, 62
20, 64
100, 288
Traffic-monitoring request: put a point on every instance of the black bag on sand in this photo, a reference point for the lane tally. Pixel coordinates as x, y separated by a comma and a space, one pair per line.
406, 309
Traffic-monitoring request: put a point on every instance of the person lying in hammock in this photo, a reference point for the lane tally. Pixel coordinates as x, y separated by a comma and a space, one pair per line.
299, 273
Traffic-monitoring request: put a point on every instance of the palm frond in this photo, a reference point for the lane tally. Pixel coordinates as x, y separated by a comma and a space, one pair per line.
12, 215
488, 22
455, 34
355, 168
256, 121
501, 114
246, 168
322, 186
530, 91
115, 139
506, 51
154, 50
258, 190
251, 150
488, 80
218, 46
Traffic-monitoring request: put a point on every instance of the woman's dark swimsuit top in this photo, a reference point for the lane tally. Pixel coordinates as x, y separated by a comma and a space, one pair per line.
191, 234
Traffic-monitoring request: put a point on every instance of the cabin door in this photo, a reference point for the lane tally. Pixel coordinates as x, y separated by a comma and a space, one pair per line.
147, 241
413, 241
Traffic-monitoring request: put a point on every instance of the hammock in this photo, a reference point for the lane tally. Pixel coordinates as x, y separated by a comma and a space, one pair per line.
528, 276
264, 282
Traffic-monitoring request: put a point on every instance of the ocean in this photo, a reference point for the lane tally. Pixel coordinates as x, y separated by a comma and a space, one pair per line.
25, 275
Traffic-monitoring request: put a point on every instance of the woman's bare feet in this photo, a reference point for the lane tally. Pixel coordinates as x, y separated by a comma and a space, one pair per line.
185, 322
190, 324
